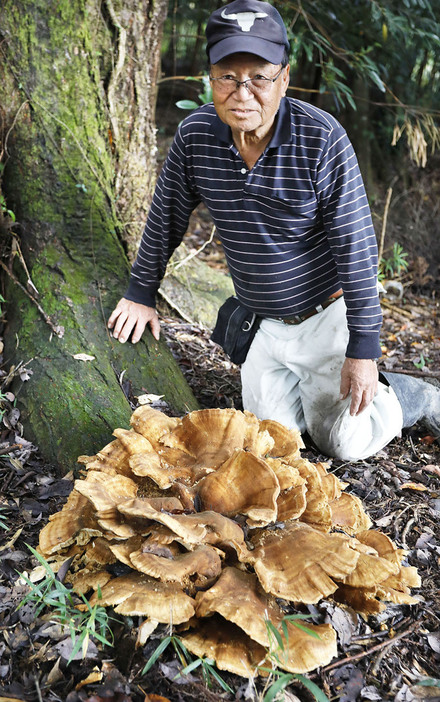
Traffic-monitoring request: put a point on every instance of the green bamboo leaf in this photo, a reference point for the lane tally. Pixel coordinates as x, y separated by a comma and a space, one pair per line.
316, 691
192, 666
377, 80
220, 680
77, 644
158, 652
186, 104
273, 631
293, 619
308, 631
277, 686
43, 561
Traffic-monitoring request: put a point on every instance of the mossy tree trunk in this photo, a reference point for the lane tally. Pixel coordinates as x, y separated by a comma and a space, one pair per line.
77, 82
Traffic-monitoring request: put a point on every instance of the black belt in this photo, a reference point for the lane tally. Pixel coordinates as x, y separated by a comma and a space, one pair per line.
298, 318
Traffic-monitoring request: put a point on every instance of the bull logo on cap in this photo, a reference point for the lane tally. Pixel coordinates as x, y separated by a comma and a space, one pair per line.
245, 19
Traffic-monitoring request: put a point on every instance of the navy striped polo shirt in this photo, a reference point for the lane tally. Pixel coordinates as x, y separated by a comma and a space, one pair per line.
295, 228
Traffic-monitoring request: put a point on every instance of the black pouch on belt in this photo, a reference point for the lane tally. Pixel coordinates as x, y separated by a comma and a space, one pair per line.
235, 329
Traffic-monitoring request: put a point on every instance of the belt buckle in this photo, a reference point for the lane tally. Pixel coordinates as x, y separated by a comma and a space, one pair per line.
295, 319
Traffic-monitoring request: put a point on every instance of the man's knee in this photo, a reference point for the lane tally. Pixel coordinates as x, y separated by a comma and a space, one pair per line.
348, 438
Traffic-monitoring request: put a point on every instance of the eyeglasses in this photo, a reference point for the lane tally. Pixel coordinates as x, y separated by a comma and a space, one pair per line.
258, 85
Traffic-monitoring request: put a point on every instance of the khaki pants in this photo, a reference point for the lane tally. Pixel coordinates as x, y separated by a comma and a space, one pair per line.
292, 374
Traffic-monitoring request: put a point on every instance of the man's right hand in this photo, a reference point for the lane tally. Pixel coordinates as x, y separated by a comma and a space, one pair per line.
128, 317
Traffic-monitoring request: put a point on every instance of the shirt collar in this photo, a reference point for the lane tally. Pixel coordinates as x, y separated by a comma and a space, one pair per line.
281, 135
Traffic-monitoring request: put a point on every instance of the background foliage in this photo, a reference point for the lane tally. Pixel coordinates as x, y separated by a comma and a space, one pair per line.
375, 64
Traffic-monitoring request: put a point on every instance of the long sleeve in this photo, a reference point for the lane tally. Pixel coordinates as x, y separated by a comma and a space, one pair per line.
173, 201
347, 221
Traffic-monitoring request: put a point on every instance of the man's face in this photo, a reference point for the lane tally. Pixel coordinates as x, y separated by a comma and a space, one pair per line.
243, 110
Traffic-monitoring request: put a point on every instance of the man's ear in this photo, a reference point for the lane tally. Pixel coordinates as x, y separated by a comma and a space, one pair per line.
286, 78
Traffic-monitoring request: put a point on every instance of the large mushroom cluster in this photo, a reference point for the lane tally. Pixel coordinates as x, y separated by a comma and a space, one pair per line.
214, 523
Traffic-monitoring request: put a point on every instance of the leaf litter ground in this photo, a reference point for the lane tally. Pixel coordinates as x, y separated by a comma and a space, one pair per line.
392, 656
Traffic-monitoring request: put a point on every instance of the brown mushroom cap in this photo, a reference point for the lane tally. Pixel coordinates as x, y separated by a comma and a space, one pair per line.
204, 562
288, 442
382, 544
257, 441
210, 436
137, 594
88, 579
291, 504
317, 512
227, 645
152, 424
396, 588
348, 514
64, 526
98, 552
370, 570
151, 465
203, 527
288, 476
133, 442
298, 563
159, 535
244, 484
239, 598
143, 507
123, 550
112, 459
361, 599
331, 485
106, 491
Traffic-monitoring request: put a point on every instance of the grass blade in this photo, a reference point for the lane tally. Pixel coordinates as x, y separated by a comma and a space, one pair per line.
277, 686
158, 652
316, 691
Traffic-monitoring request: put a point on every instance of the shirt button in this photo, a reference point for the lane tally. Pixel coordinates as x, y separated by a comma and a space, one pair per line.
243, 170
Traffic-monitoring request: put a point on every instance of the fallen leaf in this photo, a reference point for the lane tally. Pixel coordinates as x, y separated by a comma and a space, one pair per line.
12, 541
370, 693
349, 681
145, 630
428, 439
149, 398
413, 486
430, 468
55, 675
93, 677
385, 521
434, 641
25, 374
65, 649
83, 357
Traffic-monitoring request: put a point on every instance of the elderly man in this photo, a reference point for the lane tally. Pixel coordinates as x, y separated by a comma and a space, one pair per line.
281, 182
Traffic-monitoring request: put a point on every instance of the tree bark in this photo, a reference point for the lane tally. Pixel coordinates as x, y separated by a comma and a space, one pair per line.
77, 84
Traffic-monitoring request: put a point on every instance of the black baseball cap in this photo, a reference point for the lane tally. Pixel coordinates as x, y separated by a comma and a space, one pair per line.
249, 26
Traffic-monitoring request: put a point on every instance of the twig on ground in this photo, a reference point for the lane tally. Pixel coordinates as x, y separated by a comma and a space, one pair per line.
378, 647
408, 526
396, 310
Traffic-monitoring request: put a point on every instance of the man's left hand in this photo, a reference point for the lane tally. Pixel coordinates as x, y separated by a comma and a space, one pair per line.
360, 377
